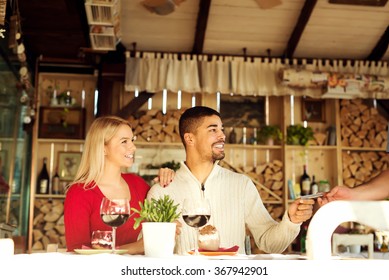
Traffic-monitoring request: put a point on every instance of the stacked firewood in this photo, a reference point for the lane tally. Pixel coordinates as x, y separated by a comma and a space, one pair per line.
154, 126
48, 224
360, 167
268, 178
361, 125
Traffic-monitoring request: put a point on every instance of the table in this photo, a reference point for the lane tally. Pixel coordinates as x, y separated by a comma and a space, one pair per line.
106, 266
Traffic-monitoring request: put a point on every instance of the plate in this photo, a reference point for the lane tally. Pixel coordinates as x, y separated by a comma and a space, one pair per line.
98, 251
221, 252
215, 253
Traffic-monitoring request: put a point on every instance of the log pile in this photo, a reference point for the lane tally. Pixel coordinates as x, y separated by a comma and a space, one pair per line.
360, 167
154, 126
361, 125
48, 224
268, 178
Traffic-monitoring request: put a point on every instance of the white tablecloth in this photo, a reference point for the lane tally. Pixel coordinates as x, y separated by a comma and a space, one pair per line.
111, 267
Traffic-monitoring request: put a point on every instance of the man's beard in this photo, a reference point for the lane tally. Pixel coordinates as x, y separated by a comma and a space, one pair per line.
218, 156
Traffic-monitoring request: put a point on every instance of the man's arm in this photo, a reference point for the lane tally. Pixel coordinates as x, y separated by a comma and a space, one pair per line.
376, 189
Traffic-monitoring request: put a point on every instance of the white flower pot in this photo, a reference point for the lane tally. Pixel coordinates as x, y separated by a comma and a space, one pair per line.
159, 239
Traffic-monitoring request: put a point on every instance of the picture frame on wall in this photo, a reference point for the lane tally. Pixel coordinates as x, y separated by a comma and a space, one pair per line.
68, 163
242, 111
313, 110
62, 122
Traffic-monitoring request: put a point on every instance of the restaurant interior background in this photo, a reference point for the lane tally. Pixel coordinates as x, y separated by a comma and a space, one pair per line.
85, 49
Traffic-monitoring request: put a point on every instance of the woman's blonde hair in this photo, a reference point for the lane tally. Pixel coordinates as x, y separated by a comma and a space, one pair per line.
92, 162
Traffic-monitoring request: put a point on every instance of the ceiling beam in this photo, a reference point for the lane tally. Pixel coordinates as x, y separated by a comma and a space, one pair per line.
201, 26
134, 105
298, 30
380, 49
79, 7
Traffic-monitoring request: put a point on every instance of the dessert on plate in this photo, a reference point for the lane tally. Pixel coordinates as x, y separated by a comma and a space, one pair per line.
209, 238
101, 239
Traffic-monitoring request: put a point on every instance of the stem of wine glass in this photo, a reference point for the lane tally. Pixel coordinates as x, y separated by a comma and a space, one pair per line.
196, 248
113, 240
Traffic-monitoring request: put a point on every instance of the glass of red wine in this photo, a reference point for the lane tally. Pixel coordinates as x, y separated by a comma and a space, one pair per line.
114, 212
196, 213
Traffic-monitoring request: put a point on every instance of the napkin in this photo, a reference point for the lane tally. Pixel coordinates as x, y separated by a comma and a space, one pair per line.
231, 249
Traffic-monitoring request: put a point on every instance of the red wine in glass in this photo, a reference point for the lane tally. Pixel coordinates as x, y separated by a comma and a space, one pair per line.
115, 220
196, 213
114, 212
196, 221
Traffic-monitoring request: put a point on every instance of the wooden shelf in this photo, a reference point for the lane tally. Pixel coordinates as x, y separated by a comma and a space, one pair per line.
364, 149
180, 145
292, 147
158, 144
252, 146
59, 141
51, 196
82, 87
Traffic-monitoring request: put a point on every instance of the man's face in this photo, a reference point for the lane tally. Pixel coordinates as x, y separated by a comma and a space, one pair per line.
210, 138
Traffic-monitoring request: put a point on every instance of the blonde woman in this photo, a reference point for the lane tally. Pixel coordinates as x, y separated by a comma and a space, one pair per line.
108, 149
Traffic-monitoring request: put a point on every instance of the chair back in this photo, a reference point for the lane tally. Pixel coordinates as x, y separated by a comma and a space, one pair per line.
7, 247
374, 214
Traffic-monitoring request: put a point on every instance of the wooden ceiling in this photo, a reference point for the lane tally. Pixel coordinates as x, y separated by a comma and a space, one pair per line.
294, 29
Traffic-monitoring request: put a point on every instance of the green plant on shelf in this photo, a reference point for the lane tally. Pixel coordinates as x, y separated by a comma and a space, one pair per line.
269, 132
299, 135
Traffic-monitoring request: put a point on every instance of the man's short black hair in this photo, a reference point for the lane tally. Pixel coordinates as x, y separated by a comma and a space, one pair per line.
191, 119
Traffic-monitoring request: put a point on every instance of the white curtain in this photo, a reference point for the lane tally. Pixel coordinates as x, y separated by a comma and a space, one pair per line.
154, 72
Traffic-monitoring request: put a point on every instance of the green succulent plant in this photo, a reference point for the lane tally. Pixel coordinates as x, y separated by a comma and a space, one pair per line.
157, 210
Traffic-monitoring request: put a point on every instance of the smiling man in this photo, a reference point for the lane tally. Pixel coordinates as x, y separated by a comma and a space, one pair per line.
234, 199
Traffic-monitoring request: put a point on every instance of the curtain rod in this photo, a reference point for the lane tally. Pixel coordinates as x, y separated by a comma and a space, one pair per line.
290, 61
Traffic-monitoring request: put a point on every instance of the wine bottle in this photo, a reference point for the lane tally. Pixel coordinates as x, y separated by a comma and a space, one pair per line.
43, 182
55, 183
303, 238
305, 182
314, 186
232, 136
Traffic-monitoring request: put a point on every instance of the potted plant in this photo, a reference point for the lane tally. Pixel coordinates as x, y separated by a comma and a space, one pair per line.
158, 227
299, 135
269, 134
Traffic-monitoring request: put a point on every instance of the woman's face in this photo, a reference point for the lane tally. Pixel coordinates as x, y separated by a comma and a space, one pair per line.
120, 150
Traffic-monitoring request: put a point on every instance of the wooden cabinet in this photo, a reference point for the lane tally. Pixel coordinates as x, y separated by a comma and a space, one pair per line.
60, 129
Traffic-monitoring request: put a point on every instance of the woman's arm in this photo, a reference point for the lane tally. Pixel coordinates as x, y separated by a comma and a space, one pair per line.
135, 248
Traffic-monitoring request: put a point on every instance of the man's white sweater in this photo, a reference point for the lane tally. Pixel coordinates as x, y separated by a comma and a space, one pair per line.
235, 202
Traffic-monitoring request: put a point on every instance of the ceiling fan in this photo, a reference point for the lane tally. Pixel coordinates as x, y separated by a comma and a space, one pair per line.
161, 7
165, 7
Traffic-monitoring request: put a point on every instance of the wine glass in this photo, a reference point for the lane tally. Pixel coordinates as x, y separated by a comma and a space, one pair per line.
114, 212
196, 213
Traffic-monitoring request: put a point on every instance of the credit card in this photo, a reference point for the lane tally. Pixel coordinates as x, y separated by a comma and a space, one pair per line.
312, 196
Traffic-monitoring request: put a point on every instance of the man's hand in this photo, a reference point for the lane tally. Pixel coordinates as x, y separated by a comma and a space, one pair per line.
301, 210
337, 193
